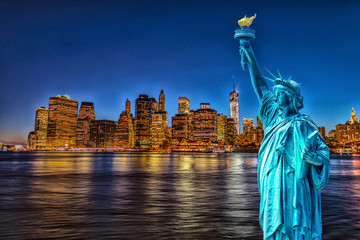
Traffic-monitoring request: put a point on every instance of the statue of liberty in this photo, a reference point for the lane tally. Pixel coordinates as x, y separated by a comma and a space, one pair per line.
293, 158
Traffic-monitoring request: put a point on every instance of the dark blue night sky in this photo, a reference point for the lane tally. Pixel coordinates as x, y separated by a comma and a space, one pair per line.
108, 51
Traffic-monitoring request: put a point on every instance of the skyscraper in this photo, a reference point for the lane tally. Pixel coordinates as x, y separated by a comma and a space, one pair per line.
31, 140
221, 127
159, 123
162, 101
61, 131
230, 131
158, 128
249, 131
124, 136
248, 125
180, 127
128, 106
184, 105
41, 125
234, 109
350, 131
143, 112
322, 131
204, 124
181, 121
102, 133
86, 116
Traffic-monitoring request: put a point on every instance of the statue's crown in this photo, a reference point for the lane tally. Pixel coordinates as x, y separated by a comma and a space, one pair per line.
290, 84
285, 83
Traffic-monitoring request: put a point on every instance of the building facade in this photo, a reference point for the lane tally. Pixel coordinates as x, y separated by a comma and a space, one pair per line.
180, 127
221, 122
184, 105
143, 113
322, 131
124, 136
234, 109
204, 123
85, 118
62, 123
161, 101
31, 140
348, 133
41, 125
102, 134
231, 132
159, 125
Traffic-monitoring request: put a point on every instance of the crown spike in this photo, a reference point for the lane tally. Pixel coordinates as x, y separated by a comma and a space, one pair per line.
271, 73
289, 78
279, 74
270, 79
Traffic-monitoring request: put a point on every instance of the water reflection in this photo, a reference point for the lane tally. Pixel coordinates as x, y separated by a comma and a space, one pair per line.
151, 195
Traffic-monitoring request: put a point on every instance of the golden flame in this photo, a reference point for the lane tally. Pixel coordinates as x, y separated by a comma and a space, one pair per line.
245, 21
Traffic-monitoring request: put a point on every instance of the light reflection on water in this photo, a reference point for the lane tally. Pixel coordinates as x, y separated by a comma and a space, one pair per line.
153, 196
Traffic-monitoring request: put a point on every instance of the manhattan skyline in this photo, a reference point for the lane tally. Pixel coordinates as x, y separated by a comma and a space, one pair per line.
109, 52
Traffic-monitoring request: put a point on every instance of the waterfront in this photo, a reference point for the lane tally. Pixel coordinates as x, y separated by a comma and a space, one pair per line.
74, 195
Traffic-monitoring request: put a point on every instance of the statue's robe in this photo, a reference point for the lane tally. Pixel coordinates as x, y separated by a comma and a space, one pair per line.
290, 206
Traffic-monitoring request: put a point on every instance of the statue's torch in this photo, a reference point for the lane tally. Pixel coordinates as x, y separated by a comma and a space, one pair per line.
244, 34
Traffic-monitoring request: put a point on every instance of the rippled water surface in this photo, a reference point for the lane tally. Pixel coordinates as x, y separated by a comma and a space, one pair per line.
153, 196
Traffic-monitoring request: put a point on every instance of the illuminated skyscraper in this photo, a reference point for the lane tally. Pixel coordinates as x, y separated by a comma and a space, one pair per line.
181, 121
230, 131
184, 105
102, 133
128, 106
180, 127
158, 129
86, 116
31, 140
221, 127
162, 101
248, 125
124, 136
41, 125
249, 131
143, 114
61, 131
154, 106
159, 123
204, 124
234, 109
353, 118
322, 131
350, 131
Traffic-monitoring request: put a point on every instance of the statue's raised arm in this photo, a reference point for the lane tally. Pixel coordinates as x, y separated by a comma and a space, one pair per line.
257, 79
244, 34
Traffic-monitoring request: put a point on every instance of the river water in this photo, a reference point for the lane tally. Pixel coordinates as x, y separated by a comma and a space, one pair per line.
153, 196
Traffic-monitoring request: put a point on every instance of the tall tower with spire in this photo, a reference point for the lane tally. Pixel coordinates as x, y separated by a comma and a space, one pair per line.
128, 106
124, 135
162, 101
234, 107
159, 123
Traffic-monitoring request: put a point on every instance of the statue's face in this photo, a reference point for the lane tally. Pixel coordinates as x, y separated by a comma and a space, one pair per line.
282, 96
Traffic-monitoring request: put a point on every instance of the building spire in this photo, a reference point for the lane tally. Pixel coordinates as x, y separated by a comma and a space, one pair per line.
162, 101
